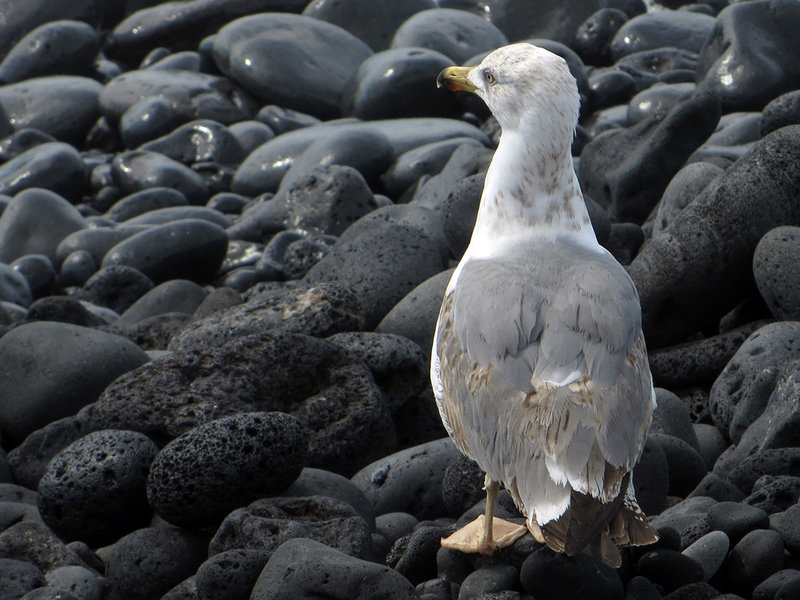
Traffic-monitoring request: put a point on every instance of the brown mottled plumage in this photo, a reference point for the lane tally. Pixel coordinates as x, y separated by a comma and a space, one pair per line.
539, 364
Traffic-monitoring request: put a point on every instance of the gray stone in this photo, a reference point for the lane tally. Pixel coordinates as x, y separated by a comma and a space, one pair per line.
253, 50
147, 563
35, 222
409, 480
334, 396
267, 523
457, 34
94, 489
294, 571
63, 106
709, 552
54, 369
776, 263
60, 47
757, 195
381, 266
216, 467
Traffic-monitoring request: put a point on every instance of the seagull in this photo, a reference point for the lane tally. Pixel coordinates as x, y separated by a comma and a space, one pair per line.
539, 365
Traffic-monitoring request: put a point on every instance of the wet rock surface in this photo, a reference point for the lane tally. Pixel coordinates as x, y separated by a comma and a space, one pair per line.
225, 231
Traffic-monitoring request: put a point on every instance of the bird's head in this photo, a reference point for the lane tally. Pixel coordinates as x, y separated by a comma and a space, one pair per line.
520, 83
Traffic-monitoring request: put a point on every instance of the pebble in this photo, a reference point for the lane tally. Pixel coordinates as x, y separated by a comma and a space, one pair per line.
396, 363
787, 524
375, 24
550, 576
396, 83
14, 287
188, 248
35, 222
488, 580
102, 474
614, 167
658, 29
202, 475
230, 575
686, 466
414, 316
192, 95
736, 520
175, 295
767, 589
775, 264
48, 381
38, 271
116, 287
381, 266
765, 173
593, 37
267, 523
145, 201
33, 542
63, 106
780, 112
19, 577
147, 119
203, 140
148, 562
410, 480
253, 50
761, 76
771, 461
303, 567
774, 493
319, 310
709, 552
670, 569
142, 169
457, 34
53, 166
60, 47
755, 557
80, 581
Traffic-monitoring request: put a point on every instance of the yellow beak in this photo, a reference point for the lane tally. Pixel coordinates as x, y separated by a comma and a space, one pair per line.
455, 78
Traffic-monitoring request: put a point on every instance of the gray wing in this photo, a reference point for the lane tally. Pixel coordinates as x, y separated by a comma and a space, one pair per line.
555, 314
559, 328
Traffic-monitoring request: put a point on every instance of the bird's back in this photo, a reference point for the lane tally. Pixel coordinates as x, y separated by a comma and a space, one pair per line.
541, 376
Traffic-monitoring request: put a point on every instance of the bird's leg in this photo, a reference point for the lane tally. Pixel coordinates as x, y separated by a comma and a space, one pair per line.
479, 535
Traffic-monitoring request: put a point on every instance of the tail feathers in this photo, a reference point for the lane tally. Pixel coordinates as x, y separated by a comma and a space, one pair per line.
599, 528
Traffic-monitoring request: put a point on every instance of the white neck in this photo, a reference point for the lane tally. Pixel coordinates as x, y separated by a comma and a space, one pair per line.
531, 190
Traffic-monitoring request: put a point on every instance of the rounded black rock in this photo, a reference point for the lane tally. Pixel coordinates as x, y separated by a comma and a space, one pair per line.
593, 37
94, 489
202, 475
669, 568
736, 519
758, 555
547, 575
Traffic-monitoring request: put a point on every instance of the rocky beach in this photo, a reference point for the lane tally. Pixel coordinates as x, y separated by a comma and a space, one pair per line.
226, 228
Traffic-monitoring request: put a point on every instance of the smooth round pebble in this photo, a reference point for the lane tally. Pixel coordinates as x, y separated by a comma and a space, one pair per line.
709, 552
47, 381
202, 475
116, 286
409, 480
755, 557
736, 520
188, 249
35, 222
550, 576
302, 568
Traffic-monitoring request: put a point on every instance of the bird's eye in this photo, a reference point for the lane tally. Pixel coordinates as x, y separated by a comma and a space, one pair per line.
489, 77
